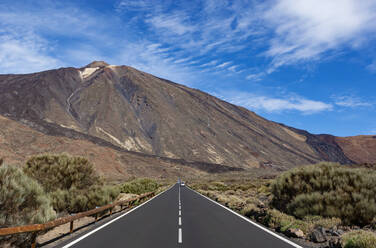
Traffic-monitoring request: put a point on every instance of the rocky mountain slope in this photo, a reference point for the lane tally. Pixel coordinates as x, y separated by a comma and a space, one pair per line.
18, 142
121, 108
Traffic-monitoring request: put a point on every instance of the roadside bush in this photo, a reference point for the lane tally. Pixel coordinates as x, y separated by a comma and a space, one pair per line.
22, 201
139, 186
328, 190
71, 182
282, 222
359, 239
62, 172
74, 200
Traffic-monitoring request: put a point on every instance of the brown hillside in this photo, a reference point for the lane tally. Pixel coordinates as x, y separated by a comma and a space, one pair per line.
18, 142
361, 149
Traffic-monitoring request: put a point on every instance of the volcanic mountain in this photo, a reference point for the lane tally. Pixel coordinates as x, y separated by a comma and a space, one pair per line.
129, 110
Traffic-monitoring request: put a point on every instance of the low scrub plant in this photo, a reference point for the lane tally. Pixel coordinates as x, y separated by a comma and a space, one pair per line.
22, 201
62, 172
282, 222
327, 190
74, 200
359, 239
71, 182
139, 186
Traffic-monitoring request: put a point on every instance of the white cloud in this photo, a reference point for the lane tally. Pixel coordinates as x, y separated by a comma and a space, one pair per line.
274, 104
24, 55
233, 68
30, 36
223, 65
135, 5
172, 23
305, 30
255, 76
350, 101
183, 60
210, 63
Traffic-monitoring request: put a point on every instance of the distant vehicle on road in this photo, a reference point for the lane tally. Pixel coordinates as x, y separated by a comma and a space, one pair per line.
182, 184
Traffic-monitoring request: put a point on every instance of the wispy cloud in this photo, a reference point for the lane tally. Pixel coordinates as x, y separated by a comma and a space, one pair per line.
172, 23
210, 63
233, 68
305, 30
134, 5
26, 44
275, 104
24, 54
255, 76
223, 65
350, 101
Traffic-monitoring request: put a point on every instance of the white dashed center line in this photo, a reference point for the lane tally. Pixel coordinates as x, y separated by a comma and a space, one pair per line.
180, 231
180, 236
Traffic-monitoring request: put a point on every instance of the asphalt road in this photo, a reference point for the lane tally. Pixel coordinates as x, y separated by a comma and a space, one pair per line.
193, 221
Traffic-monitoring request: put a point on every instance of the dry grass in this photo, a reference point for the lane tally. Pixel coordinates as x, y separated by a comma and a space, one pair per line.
359, 239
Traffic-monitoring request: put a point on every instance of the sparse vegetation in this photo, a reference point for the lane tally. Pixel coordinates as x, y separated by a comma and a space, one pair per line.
256, 199
22, 201
327, 190
139, 186
359, 239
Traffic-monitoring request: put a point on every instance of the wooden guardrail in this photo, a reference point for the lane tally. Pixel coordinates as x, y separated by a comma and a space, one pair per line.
34, 228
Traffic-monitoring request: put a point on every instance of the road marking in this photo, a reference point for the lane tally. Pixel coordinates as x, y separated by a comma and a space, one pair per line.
180, 236
248, 220
179, 212
179, 221
179, 207
108, 223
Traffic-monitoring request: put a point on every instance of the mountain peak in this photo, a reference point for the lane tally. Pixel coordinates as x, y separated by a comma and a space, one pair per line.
97, 64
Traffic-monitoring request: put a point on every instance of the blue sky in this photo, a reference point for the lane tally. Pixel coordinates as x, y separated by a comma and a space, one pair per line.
309, 64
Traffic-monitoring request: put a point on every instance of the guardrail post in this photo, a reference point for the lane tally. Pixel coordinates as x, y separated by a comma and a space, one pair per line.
96, 217
110, 211
34, 240
71, 227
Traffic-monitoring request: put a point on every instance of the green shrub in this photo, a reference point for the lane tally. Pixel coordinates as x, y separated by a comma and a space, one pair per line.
328, 190
22, 201
139, 186
62, 172
71, 182
359, 239
74, 200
